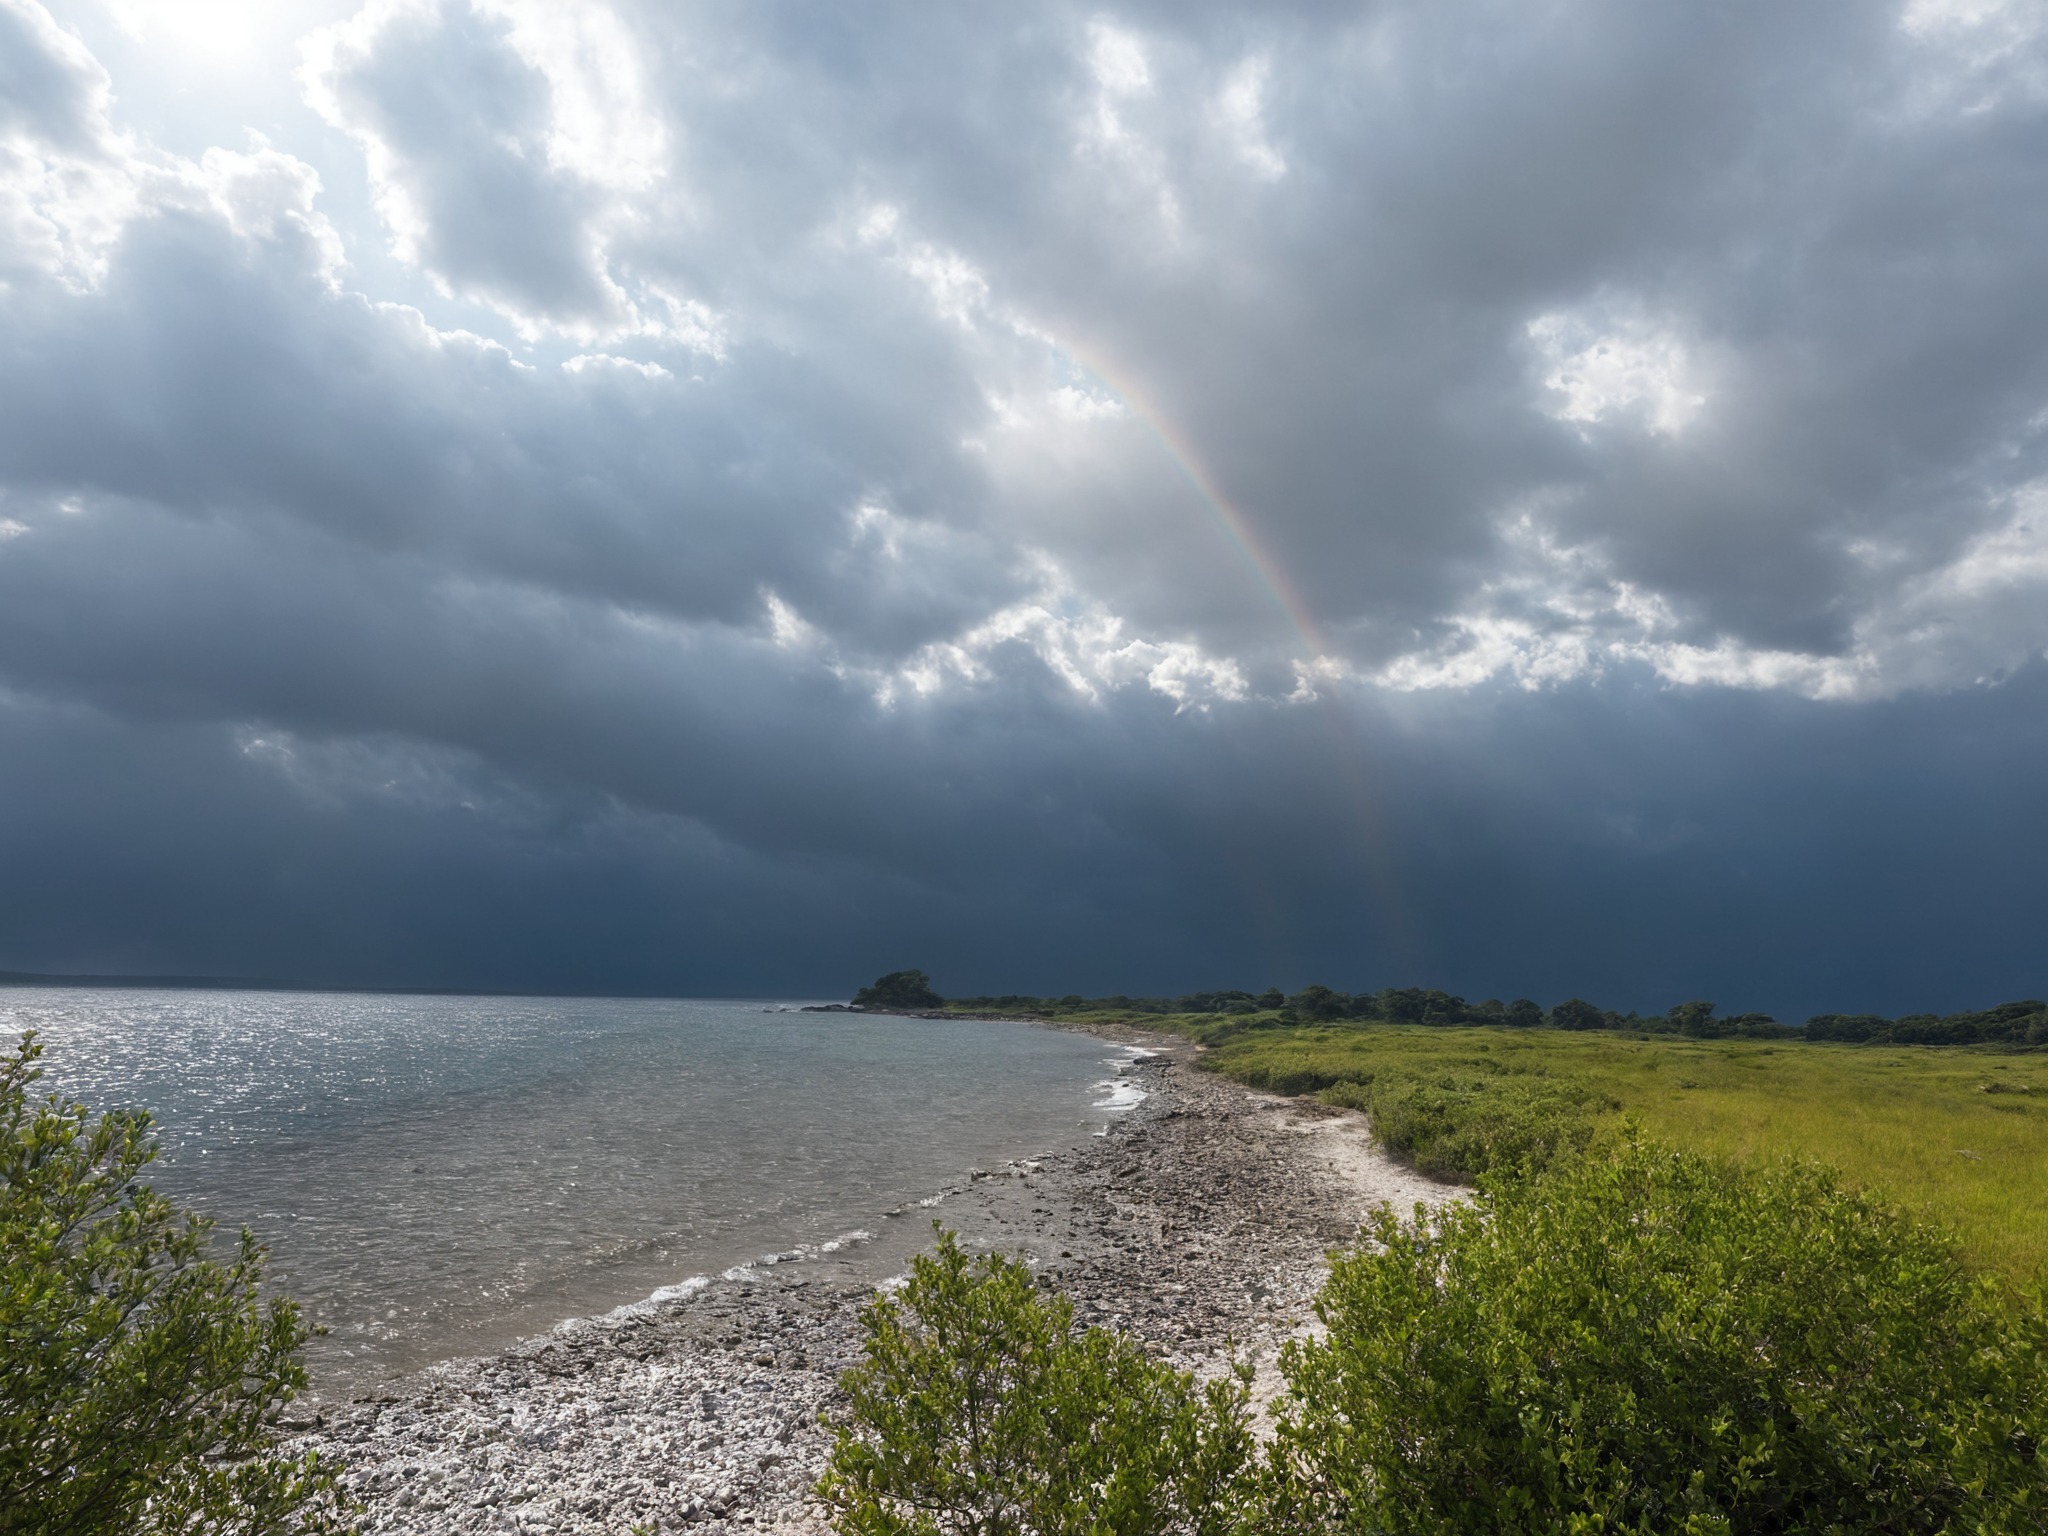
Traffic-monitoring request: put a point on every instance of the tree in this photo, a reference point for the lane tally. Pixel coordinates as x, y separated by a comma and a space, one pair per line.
1696, 1019
1577, 1013
1319, 1002
899, 992
140, 1377
980, 1410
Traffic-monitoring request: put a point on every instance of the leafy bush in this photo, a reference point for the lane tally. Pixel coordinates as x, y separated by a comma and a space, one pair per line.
1465, 1126
1654, 1342
1459, 1118
980, 1408
139, 1377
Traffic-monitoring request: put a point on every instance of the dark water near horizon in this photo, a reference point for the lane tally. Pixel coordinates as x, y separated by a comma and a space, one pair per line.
438, 1176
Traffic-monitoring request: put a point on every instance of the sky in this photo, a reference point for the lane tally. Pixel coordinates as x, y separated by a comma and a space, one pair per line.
1529, 497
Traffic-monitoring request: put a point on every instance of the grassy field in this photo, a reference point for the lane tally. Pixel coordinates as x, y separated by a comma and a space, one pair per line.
1957, 1134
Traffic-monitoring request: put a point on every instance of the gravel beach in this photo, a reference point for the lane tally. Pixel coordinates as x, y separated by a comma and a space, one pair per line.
1198, 1223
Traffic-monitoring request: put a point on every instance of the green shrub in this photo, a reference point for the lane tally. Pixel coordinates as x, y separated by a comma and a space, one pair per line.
1459, 1117
1464, 1126
980, 1408
139, 1377
1654, 1342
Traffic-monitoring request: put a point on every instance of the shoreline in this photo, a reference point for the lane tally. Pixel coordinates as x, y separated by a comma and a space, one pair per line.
1197, 1221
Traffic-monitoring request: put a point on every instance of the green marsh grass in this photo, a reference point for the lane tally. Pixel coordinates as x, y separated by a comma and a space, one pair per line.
1955, 1134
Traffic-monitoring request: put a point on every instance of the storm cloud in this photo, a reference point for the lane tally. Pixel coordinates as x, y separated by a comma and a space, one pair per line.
1531, 499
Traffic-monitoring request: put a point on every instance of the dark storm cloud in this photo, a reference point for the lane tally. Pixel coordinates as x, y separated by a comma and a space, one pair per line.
1529, 499
221, 380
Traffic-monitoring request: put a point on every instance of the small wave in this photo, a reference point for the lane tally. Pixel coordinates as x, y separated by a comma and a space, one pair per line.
1121, 1095
751, 1270
684, 1290
653, 1302
804, 1251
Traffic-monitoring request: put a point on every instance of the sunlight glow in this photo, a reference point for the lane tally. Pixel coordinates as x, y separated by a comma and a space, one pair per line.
217, 34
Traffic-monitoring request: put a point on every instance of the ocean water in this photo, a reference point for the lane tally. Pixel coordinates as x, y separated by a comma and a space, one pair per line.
438, 1176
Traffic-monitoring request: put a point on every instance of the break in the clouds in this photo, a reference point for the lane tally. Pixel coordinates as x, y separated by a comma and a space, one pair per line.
1514, 497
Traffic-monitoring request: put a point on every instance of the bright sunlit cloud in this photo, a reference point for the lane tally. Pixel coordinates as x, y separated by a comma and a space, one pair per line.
217, 35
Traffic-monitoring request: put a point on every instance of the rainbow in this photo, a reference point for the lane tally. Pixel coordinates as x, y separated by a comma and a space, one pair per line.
1272, 576
1398, 927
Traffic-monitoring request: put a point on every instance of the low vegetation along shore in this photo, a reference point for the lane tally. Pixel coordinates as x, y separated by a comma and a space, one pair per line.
1946, 1116
1703, 1277
1956, 1136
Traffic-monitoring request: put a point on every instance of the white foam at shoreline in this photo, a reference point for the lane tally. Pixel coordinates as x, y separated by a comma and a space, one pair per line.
651, 1303
1122, 1095
751, 1270
683, 1290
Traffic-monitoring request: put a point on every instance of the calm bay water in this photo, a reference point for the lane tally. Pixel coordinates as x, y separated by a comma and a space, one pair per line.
437, 1176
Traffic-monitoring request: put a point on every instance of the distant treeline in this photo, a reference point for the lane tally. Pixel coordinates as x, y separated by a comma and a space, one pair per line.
2020, 1023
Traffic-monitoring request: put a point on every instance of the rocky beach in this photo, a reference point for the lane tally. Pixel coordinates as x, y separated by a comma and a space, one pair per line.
1197, 1222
